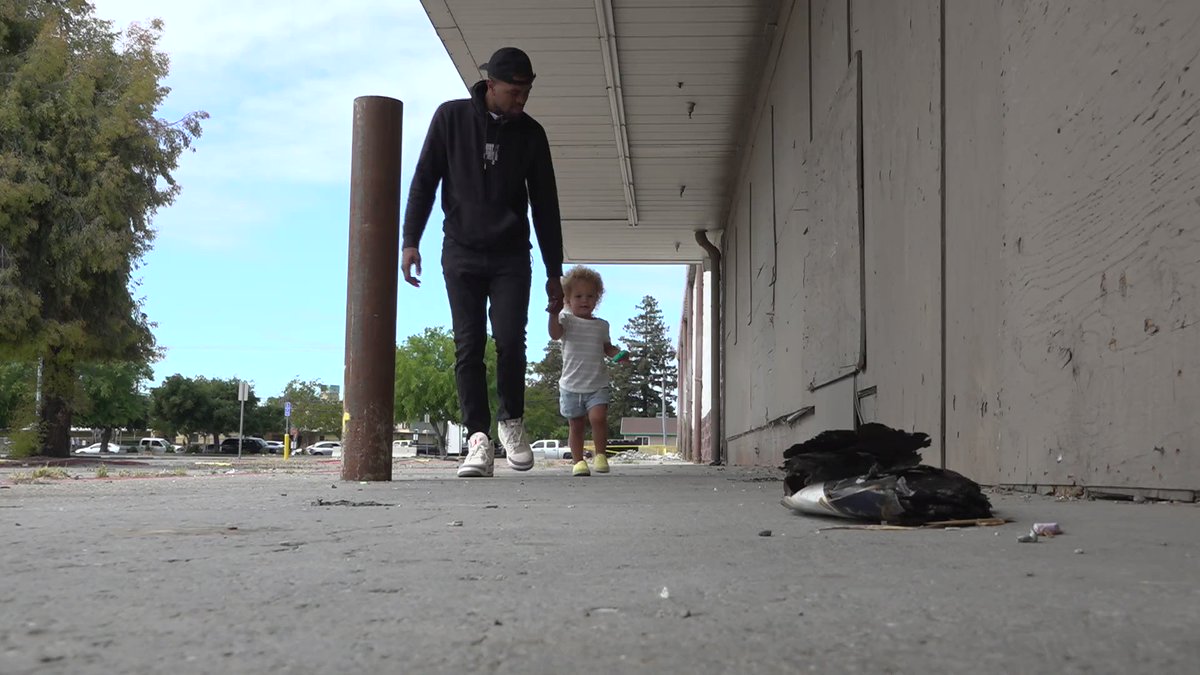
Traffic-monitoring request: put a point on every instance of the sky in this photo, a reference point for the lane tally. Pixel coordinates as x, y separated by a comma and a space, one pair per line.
247, 276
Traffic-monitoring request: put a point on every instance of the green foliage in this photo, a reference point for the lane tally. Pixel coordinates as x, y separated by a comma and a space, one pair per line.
210, 406
84, 166
425, 381
225, 409
314, 407
265, 418
111, 395
22, 444
180, 405
542, 417
18, 380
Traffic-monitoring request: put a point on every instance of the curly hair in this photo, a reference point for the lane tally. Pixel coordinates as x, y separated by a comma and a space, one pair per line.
586, 274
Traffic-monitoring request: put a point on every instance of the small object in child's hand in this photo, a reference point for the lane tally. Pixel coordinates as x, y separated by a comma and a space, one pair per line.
619, 355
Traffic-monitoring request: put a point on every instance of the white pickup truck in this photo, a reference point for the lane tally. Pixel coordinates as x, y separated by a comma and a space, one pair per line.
550, 449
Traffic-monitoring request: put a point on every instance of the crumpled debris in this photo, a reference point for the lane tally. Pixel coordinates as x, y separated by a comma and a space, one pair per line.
346, 502
873, 473
1046, 529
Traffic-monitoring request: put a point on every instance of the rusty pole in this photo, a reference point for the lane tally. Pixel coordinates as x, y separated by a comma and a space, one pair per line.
371, 289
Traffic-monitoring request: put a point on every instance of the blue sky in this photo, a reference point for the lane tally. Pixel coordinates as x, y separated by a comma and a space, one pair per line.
247, 277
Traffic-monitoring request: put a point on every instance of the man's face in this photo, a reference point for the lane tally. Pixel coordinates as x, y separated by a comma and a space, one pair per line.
509, 98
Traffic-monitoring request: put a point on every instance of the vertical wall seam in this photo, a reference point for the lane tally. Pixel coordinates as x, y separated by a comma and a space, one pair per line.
942, 172
810, 72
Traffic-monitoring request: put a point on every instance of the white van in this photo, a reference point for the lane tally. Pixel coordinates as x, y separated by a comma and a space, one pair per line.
155, 445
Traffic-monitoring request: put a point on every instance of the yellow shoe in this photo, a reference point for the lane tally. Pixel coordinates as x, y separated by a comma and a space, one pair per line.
581, 469
600, 464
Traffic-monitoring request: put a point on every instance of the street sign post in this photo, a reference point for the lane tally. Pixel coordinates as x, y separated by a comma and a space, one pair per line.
287, 438
243, 394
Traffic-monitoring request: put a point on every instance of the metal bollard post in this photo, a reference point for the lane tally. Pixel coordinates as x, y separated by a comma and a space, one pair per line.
374, 265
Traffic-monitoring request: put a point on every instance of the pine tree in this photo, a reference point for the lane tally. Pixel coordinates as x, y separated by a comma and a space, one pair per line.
652, 364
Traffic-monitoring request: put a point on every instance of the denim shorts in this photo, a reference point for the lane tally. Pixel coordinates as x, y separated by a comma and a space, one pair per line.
573, 405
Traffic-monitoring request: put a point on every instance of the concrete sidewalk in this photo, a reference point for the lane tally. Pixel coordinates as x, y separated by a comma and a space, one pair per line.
655, 568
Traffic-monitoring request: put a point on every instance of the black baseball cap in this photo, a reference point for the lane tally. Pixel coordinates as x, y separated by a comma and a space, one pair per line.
511, 65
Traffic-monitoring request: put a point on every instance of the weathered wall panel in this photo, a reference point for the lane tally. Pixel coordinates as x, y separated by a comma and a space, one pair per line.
790, 110
833, 408
738, 339
900, 43
1071, 244
1100, 201
763, 236
974, 238
832, 263
830, 53
789, 113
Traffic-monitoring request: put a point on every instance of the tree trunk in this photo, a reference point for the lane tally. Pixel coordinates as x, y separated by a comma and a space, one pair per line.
105, 437
440, 430
54, 416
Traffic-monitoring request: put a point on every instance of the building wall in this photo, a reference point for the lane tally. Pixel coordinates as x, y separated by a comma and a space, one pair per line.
1029, 223
695, 366
1073, 222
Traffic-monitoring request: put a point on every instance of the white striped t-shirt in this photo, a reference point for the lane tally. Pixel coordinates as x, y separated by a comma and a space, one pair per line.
583, 343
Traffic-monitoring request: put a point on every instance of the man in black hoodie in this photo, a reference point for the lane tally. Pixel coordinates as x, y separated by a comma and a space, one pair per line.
493, 163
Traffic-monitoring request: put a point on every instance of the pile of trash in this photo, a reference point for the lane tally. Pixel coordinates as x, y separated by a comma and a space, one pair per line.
873, 473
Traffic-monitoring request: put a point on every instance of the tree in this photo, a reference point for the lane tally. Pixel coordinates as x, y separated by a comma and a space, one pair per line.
542, 416
265, 418
425, 380
545, 374
225, 411
652, 361
84, 166
181, 405
314, 407
619, 376
111, 396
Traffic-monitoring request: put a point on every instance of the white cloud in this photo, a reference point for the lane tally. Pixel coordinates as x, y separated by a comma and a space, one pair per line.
279, 79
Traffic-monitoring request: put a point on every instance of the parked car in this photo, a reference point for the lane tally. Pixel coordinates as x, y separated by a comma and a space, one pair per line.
550, 449
332, 448
275, 447
94, 449
151, 444
404, 448
250, 445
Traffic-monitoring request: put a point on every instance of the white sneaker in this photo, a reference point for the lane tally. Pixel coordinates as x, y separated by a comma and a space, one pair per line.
480, 461
516, 444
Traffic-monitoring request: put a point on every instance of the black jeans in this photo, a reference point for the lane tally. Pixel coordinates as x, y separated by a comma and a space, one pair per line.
474, 278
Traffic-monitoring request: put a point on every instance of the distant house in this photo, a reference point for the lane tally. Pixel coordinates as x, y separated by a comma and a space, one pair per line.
649, 430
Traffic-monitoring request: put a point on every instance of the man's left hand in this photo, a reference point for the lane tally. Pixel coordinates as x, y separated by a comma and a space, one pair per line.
554, 295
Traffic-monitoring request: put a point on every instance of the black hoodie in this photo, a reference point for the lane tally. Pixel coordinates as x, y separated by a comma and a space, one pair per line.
485, 203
